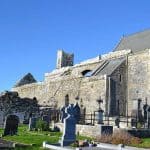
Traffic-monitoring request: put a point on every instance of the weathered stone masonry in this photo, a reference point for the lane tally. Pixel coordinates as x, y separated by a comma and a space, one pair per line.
71, 81
118, 78
138, 77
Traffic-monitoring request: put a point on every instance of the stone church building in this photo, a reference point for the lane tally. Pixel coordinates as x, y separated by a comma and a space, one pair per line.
119, 78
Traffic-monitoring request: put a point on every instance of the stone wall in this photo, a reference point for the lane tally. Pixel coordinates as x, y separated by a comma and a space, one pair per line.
116, 54
84, 130
89, 130
73, 82
89, 89
119, 76
138, 79
12, 103
74, 71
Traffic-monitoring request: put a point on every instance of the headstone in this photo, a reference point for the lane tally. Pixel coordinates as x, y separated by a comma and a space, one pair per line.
1, 118
106, 130
63, 114
69, 126
46, 118
135, 104
137, 110
11, 125
148, 117
82, 114
117, 122
32, 123
133, 122
145, 107
100, 116
52, 124
77, 112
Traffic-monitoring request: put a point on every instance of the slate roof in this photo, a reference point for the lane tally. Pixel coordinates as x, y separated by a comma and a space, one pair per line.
108, 67
27, 79
136, 42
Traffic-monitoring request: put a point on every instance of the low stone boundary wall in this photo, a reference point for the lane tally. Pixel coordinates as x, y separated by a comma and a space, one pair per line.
85, 130
88, 130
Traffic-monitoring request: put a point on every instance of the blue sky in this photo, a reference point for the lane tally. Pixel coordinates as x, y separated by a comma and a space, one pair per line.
31, 32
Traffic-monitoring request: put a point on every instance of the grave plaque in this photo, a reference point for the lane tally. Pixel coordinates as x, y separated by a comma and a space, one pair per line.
11, 125
106, 129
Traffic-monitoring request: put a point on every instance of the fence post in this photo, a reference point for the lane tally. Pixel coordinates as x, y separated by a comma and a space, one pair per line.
127, 120
94, 119
91, 118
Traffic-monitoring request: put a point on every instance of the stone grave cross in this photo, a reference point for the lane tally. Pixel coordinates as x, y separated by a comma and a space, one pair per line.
69, 126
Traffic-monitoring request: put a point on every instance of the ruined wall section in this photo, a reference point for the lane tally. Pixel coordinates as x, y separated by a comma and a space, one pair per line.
70, 80
64, 59
119, 76
31, 90
52, 93
138, 77
79, 69
74, 71
93, 88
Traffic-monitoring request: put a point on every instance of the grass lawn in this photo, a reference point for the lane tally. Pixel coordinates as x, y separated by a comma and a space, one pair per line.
36, 138
33, 137
145, 143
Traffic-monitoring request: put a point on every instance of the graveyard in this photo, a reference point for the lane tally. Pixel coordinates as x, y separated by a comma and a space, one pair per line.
101, 100
27, 125
34, 139
44, 132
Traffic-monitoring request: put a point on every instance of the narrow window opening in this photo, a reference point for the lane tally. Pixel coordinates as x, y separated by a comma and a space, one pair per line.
87, 73
120, 77
67, 100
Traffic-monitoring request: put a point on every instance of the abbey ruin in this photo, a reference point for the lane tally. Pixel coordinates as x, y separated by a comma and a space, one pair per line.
120, 79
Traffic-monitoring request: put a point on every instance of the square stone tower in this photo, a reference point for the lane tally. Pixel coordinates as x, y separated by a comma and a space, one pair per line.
64, 59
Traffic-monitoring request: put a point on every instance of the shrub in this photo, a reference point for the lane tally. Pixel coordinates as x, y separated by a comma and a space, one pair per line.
42, 125
75, 144
106, 138
119, 137
139, 125
135, 141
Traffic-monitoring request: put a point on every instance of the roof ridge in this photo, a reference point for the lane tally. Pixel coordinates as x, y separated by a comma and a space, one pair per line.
131, 34
117, 45
134, 38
